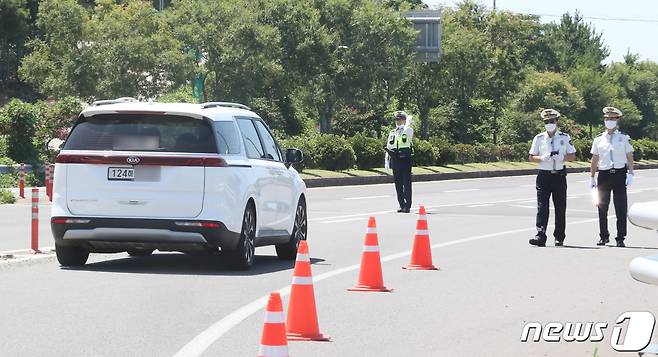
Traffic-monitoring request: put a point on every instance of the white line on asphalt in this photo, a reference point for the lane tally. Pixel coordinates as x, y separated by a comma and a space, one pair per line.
463, 190
350, 216
366, 197
342, 220
522, 206
482, 205
528, 186
205, 339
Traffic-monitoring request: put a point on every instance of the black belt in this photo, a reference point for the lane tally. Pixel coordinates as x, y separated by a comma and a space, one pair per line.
614, 171
554, 172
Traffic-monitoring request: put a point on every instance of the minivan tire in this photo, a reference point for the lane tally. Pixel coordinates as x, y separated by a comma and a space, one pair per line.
288, 251
242, 257
71, 256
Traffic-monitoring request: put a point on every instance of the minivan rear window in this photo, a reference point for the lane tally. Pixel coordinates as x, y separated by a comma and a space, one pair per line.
142, 132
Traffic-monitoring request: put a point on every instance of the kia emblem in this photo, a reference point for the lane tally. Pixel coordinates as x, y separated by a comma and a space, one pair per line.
133, 160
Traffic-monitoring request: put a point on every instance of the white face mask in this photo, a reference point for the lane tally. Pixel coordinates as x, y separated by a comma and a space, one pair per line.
550, 127
610, 124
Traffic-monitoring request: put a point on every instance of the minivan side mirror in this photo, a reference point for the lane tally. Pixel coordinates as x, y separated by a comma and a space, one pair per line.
294, 156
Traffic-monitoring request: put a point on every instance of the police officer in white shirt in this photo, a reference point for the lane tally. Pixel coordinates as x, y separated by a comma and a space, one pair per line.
612, 156
551, 149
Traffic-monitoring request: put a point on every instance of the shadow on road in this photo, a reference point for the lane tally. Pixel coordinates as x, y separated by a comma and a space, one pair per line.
184, 264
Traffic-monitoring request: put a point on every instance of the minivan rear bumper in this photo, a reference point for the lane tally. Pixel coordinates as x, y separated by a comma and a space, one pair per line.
138, 232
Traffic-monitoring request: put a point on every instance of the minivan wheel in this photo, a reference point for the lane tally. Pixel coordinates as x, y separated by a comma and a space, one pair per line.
288, 251
140, 252
242, 257
71, 256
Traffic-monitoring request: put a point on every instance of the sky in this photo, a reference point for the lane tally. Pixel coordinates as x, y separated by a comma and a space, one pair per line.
630, 24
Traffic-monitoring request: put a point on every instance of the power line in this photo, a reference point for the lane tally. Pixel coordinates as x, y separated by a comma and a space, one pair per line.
600, 18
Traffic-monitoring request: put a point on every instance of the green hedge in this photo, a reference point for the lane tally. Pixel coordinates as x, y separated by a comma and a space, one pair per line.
645, 149
332, 152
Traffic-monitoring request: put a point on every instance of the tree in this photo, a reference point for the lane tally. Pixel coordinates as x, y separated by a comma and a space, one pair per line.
575, 42
596, 91
120, 50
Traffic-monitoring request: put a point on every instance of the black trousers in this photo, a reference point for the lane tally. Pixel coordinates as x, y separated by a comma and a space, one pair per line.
402, 176
548, 185
615, 183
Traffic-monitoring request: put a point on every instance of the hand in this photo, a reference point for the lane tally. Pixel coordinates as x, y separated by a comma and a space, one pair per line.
629, 179
558, 157
546, 157
592, 182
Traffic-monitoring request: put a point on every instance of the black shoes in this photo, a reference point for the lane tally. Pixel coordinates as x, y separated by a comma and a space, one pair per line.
405, 210
603, 241
401, 210
559, 243
620, 243
538, 242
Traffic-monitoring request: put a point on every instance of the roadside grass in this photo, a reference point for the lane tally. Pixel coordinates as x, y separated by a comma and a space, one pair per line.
6, 197
451, 168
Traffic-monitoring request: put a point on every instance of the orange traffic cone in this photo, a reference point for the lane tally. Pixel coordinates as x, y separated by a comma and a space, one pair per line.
302, 321
370, 275
421, 255
273, 342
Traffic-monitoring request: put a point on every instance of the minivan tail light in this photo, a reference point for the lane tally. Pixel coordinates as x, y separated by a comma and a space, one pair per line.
69, 221
197, 224
144, 160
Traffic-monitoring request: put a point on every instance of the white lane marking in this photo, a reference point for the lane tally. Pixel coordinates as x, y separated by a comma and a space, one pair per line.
524, 186
482, 205
528, 201
366, 197
463, 190
342, 220
522, 206
205, 339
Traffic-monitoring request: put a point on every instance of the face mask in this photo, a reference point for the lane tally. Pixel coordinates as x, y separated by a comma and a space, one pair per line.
550, 127
610, 124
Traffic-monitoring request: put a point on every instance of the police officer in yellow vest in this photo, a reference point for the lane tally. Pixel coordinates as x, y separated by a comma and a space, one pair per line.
399, 152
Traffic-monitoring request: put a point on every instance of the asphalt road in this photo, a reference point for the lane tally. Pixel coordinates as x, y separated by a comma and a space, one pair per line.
491, 282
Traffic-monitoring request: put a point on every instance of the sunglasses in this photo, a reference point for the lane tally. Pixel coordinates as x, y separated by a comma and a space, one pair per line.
550, 121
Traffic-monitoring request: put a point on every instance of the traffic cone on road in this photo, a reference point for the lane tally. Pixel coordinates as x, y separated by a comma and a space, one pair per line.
273, 342
421, 255
370, 275
302, 320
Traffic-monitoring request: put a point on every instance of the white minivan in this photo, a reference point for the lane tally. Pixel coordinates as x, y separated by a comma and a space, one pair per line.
135, 176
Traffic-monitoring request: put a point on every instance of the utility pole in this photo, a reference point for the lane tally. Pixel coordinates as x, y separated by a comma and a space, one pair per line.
494, 5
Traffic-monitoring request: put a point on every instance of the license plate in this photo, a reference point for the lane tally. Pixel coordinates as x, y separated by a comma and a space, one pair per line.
121, 173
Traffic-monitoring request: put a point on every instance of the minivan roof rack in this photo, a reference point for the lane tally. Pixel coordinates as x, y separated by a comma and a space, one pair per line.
114, 101
224, 104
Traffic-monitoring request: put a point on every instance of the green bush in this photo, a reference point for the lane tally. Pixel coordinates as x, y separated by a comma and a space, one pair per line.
464, 153
333, 152
486, 152
368, 151
446, 151
8, 180
645, 149
17, 124
583, 148
7, 197
6, 161
426, 154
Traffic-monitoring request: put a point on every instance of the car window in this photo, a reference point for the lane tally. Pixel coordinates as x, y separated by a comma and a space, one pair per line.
270, 145
251, 141
142, 132
228, 140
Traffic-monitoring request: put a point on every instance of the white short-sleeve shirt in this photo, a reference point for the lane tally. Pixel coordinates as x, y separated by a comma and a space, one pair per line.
544, 144
612, 150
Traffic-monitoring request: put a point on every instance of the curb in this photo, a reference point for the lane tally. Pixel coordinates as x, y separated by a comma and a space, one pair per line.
372, 180
11, 257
